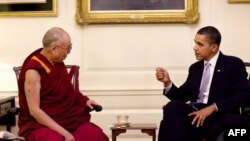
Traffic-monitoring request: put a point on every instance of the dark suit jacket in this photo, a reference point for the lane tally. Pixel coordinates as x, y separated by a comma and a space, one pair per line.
229, 87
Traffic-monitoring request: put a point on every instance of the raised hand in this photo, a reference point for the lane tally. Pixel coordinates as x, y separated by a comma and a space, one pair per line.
163, 76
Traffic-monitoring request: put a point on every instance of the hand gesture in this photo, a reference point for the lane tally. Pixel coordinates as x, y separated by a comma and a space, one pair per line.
163, 76
201, 115
90, 103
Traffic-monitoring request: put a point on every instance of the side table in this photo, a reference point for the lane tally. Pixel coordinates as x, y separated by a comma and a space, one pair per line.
148, 128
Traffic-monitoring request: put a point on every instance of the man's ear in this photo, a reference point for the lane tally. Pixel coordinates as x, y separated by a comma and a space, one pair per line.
215, 47
52, 47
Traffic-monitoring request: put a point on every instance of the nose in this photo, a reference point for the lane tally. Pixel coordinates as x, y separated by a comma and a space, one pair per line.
195, 47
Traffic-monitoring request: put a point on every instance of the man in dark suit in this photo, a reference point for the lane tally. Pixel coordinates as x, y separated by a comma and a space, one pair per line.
195, 106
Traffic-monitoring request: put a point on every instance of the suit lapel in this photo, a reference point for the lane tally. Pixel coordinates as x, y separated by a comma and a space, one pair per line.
196, 79
218, 71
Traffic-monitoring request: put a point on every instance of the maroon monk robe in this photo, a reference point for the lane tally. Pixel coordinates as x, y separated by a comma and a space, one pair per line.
58, 98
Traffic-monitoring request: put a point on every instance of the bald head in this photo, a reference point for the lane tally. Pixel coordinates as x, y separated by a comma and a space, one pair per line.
54, 34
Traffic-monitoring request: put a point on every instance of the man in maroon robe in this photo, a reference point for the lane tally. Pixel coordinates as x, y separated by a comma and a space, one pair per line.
51, 109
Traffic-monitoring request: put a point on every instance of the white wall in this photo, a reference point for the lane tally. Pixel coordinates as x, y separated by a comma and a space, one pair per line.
118, 60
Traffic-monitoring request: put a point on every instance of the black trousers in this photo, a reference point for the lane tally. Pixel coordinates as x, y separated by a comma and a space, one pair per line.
176, 124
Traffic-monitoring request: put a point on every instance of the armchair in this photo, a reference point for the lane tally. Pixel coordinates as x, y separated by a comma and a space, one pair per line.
11, 113
241, 120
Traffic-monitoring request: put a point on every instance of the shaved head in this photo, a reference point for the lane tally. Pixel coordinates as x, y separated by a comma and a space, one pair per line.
54, 34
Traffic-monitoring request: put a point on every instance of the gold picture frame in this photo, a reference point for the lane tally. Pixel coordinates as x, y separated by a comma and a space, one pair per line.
29, 8
239, 1
87, 14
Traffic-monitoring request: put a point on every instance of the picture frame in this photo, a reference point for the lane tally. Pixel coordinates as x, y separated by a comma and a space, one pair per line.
239, 1
28, 8
99, 12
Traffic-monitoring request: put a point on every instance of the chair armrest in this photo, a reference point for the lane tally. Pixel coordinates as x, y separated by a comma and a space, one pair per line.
245, 110
14, 111
96, 108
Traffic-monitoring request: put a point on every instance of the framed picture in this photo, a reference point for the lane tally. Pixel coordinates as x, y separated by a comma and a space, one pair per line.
239, 1
137, 11
28, 7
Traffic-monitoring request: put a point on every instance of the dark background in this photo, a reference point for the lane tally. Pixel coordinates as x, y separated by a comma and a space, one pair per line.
137, 4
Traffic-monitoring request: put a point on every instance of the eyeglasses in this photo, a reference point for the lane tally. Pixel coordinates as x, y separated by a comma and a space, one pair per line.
68, 48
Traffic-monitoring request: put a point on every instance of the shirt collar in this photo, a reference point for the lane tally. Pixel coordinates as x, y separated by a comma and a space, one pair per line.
213, 60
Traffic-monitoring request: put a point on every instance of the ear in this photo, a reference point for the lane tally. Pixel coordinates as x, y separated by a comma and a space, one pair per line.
52, 48
215, 48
